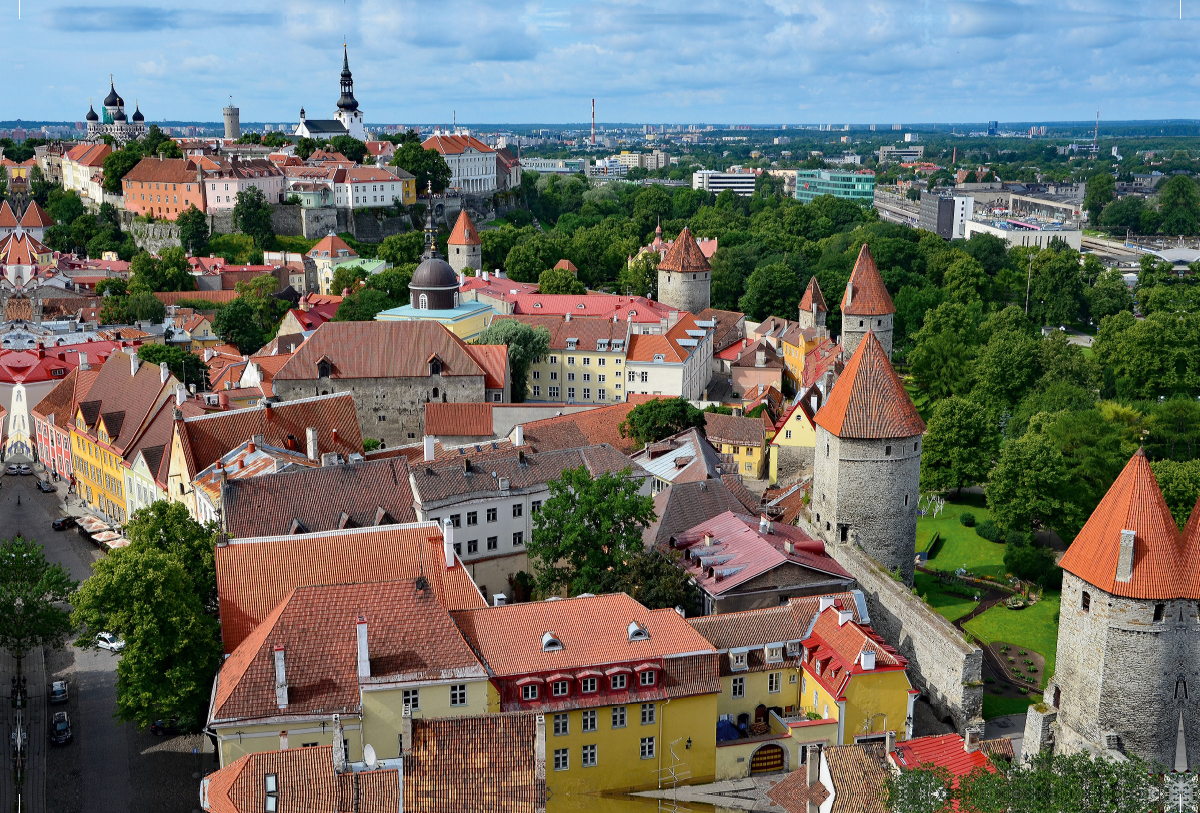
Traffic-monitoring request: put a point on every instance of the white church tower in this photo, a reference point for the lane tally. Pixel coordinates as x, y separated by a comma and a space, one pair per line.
347, 107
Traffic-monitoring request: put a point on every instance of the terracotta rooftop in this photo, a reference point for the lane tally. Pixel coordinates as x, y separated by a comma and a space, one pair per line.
584, 428
636, 309
684, 255
493, 360
833, 647
35, 217
8, 219
380, 350
123, 401
860, 775
587, 334
681, 505
868, 401
1159, 568
813, 300
458, 420
171, 297
255, 575
866, 295
464, 233
734, 429
455, 144
62, 401
945, 751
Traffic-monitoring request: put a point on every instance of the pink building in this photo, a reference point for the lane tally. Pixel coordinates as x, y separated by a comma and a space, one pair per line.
225, 178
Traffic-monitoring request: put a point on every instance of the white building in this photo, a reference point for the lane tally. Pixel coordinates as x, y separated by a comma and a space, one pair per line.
347, 119
473, 165
741, 183
369, 187
675, 363
1017, 236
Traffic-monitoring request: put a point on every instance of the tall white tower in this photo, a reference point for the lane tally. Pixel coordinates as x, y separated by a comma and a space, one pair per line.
348, 113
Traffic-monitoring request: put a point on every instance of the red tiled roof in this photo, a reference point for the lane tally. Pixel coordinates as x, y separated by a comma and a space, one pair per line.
593, 631
866, 295
123, 401
585, 428
1134, 502
167, 170
380, 350
35, 217
493, 360
813, 297
684, 256
464, 233
644, 347
831, 652
455, 144
945, 751
171, 297
868, 400
8, 220
88, 155
637, 309
821, 358
588, 332
565, 265
769, 625
329, 246
255, 575
452, 420
860, 777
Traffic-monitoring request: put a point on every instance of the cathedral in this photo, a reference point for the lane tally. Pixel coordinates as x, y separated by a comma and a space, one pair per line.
115, 123
347, 120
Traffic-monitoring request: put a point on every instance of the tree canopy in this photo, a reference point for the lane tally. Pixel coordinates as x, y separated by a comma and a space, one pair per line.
659, 418
526, 344
32, 594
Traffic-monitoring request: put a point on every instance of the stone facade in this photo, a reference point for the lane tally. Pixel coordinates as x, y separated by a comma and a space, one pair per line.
155, 237
854, 328
1126, 669
791, 461
689, 291
390, 409
867, 491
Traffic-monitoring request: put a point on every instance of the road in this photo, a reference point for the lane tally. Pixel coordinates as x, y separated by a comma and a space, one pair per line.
99, 739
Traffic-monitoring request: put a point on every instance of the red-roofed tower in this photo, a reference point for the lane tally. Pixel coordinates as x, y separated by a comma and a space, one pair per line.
866, 305
464, 245
684, 275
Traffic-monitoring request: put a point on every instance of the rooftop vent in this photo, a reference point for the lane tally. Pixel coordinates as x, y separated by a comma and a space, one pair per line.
550, 642
637, 632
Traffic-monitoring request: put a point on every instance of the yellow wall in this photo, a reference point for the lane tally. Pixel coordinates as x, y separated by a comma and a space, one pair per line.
238, 740
608, 364
179, 481
383, 710
466, 329
619, 765
99, 471
797, 431
757, 692
825, 703
734, 757
747, 454
876, 703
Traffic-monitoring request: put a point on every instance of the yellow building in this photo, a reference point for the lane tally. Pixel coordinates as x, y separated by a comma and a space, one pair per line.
585, 364
361, 652
794, 441
743, 438
629, 693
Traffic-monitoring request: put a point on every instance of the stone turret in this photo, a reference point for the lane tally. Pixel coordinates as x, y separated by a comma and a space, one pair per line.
464, 246
866, 306
813, 309
684, 275
867, 467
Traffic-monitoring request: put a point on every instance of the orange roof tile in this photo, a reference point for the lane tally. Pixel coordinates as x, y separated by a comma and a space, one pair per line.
455, 144
493, 360
465, 233
684, 255
329, 246
35, 217
1135, 503
8, 220
171, 297
814, 300
866, 295
447, 419
565, 265
254, 575
380, 350
593, 426
868, 401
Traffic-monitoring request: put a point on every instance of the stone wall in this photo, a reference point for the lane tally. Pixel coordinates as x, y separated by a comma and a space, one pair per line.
154, 237
371, 229
287, 219
791, 461
946, 669
318, 223
854, 328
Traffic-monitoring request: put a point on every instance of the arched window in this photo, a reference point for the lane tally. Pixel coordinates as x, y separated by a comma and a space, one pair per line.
435, 368
323, 369
435, 392
423, 303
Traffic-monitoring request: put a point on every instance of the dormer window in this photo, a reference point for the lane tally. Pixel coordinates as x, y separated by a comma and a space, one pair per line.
435, 365
324, 369
737, 660
559, 688
637, 632
793, 648
529, 692
550, 642
647, 678
619, 682
774, 654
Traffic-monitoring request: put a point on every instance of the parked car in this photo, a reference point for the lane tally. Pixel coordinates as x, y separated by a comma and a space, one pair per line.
45, 487
13, 470
166, 727
60, 728
109, 641
26, 469
58, 691
62, 523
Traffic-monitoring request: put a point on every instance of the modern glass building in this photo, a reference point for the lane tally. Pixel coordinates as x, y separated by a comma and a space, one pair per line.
812, 183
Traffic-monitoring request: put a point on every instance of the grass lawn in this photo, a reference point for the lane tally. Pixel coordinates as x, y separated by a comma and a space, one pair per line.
1033, 628
960, 545
999, 706
948, 606
293, 243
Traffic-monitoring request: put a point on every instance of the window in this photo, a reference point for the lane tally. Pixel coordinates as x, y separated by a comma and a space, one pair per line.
645, 376
473, 546
537, 374
493, 542
600, 393
518, 539
787, 434
749, 466
589, 720
554, 359
571, 393
472, 518
632, 375
647, 714
558, 688
618, 717
600, 363
458, 548
587, 685
458, 694
739, 687
589, 756
618, 681
412, 698
562, 725
1159, 610
535, 506
491, 515
552, 392
647, 678
456, 520
587, 360
554, 375
517, 510
529, 692
562, 759
1086, 601
587, 377
647, 748
537, 391
887, 451
571, 361
773, 682
739, 660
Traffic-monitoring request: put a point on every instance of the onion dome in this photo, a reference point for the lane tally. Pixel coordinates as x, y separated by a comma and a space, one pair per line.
91, 114
137, 114
119, 116
434, 273
112, 99
434, 285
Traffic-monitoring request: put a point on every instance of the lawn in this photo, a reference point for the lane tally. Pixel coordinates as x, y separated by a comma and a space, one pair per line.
1033, 628
960, 546
948, 606
293, 243
994, 706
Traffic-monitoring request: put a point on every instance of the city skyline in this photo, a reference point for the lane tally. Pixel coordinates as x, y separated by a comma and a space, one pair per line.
765, 61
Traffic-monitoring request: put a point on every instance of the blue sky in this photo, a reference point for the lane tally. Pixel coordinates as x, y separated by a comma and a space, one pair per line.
742, 61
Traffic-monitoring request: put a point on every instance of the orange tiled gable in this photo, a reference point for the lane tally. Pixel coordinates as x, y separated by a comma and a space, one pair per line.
465, 233
866, 294
684, 255
868, 401
813, 296
1135, 503
832, 650
8, 220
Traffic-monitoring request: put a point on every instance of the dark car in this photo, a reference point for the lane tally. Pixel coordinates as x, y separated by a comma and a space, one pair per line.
60, 728
165, 727
62, 523
45, 487
58, 692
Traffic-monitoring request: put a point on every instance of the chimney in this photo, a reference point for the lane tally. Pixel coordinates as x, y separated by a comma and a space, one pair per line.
133, 363
83, 362
764, 525
890, 742
364, 658
406, 732
672, 319
310, 435
180, 395
844, 616
486, 276
259, 440
519, 437
329, 459
281, 687
208, 354
825, 603
428, 449
813, 401
499, 600
163, 372
1125, 556
267, 410
228, 385
760, 358
866, 659
568, 318
789, 547
250, 448
448, 542
971, 741
812, 773
708, 540
334, 433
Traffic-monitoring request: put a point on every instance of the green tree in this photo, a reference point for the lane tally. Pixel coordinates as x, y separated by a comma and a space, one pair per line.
929, 789
428, 166
961, 441
588, 532
65, 208
1109, 295
560, 281
1056, 288
193, 230
1006, 367
941, 364
772, 290
160, 595
305, 147
640, 277
363, 305
347, 278
398, 249
1124, 215
654, 579
145, 307
1179, 206
1030, 484
1101, 189
731, 265
1180, 484
275, 140
526, 344
966, 281
252, 215
237, 324
187, 367
32, 594
168, 272
350, 147
393, 282
117, 165
112, 286
659, 418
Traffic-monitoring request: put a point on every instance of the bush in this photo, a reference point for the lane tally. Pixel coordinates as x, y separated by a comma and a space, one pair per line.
1016, 539
988, 530
967, 519
1030, 562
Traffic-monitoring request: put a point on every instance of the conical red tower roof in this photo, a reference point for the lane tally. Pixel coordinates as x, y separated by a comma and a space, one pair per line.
1133, 503
1190, 575
684, 255
465, 233
813, 296
8, 220
868, 401
866, 295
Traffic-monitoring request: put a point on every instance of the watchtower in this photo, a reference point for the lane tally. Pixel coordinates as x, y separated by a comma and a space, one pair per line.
866, 305
684, 275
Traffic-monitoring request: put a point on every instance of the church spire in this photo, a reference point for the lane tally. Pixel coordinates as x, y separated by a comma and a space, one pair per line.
347, 102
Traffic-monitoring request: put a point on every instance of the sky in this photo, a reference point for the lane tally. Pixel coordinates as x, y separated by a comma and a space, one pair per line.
671, 61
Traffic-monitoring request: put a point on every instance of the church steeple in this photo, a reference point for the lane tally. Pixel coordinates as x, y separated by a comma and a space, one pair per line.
347, 101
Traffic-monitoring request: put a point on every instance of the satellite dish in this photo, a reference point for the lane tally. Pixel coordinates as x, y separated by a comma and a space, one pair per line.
369, 757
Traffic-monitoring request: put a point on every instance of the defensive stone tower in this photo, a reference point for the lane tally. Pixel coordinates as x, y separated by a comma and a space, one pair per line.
1128, 635
866, 305
684, 275
464, 245
867, 470
813, 309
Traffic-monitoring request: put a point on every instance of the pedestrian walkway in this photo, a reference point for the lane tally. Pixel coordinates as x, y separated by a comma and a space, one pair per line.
33, 789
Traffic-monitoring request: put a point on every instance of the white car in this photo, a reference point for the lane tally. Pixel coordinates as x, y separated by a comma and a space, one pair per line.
13, 470
113, 643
